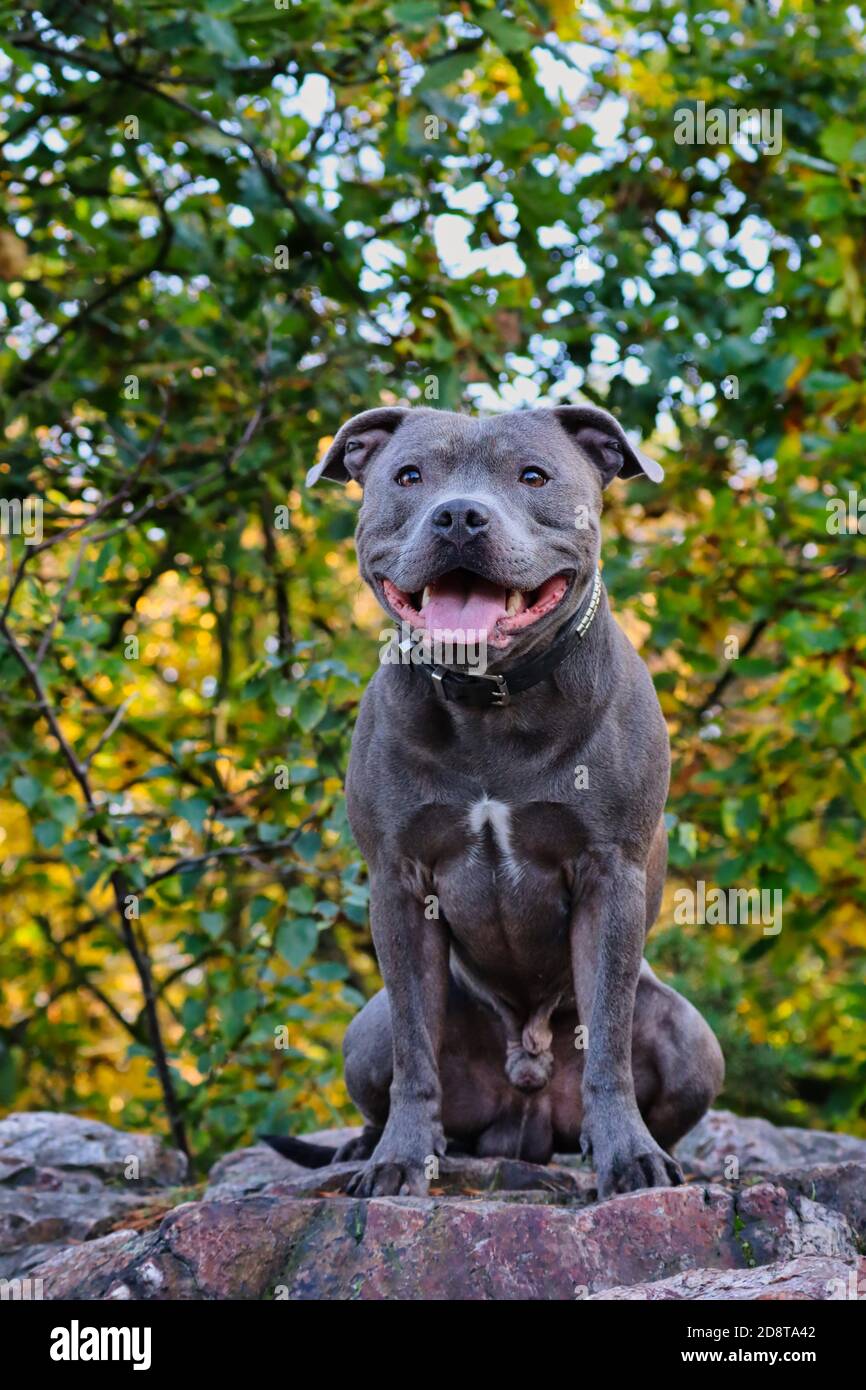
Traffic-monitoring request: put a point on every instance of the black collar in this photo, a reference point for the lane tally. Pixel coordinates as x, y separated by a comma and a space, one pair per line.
468, 688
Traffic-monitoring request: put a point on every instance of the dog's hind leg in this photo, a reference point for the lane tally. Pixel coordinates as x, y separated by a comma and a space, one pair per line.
678, 1064
369, 1062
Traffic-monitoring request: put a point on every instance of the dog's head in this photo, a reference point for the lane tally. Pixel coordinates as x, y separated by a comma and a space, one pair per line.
488, 527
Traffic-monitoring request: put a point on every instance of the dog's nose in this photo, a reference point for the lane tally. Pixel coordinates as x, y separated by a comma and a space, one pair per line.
460, 519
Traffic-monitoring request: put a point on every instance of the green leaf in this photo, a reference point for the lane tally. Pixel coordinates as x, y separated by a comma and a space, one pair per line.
192, 1013
77, 853
194, 811
328, 970
308, 845
802, 876
259, 908
416, 14
507, 36
838, 139
64, 809
48, 833
688, 838
28, 790
219, 36
268, 832
301, 898
296, 940
213, 923
236, 1010
310, 709
443, 73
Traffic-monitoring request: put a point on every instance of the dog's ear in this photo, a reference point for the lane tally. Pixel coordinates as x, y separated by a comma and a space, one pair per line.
356, 442
603, 439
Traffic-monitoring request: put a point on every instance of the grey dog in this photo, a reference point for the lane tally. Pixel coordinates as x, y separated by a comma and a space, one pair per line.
512, 820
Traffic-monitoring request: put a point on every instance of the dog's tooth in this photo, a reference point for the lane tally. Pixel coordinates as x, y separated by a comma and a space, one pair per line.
515, 603
425, 597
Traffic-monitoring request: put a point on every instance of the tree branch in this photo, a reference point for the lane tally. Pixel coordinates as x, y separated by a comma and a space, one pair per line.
120, 889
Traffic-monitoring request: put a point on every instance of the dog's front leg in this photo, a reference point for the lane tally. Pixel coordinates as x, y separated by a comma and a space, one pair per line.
607, 937
413, 957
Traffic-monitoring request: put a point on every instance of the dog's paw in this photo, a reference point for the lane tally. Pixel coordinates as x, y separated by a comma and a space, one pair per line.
629, 1161
406, 1157
390, 1178
629, 1172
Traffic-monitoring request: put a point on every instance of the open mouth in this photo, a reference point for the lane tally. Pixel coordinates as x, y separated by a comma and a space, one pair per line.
464, 606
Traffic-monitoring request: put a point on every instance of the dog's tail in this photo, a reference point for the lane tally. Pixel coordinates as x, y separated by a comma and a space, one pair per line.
299, 1150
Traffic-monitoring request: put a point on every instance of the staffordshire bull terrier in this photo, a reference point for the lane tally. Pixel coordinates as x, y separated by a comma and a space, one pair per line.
512, 820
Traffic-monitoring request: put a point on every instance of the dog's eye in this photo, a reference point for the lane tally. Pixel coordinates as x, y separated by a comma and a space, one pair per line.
353, 445
534, 477
408, 476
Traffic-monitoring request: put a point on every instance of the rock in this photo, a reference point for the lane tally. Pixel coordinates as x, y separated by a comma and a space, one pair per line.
828, 1168
94, 1270
41, 1139
277, 1245
760, 1147
504, 1178
769, 1226
249, 1170
805, 1278
33, 1219
493, 1228
260, 1169
65, 1179
841, 1186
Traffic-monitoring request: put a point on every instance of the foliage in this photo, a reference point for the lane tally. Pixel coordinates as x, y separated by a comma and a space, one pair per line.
204, 273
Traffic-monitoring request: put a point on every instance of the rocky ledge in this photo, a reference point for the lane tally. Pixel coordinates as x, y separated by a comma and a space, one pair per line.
88, 1212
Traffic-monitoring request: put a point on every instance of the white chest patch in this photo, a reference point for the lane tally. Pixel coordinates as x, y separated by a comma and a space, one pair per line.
496, 815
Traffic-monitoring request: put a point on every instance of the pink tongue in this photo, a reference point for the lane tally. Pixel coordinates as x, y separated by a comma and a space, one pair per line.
464, 603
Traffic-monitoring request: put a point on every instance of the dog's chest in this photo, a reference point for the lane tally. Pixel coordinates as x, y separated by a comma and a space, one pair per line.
501, 874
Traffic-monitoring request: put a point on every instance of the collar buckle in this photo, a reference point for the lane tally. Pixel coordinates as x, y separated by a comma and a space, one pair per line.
501, 696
